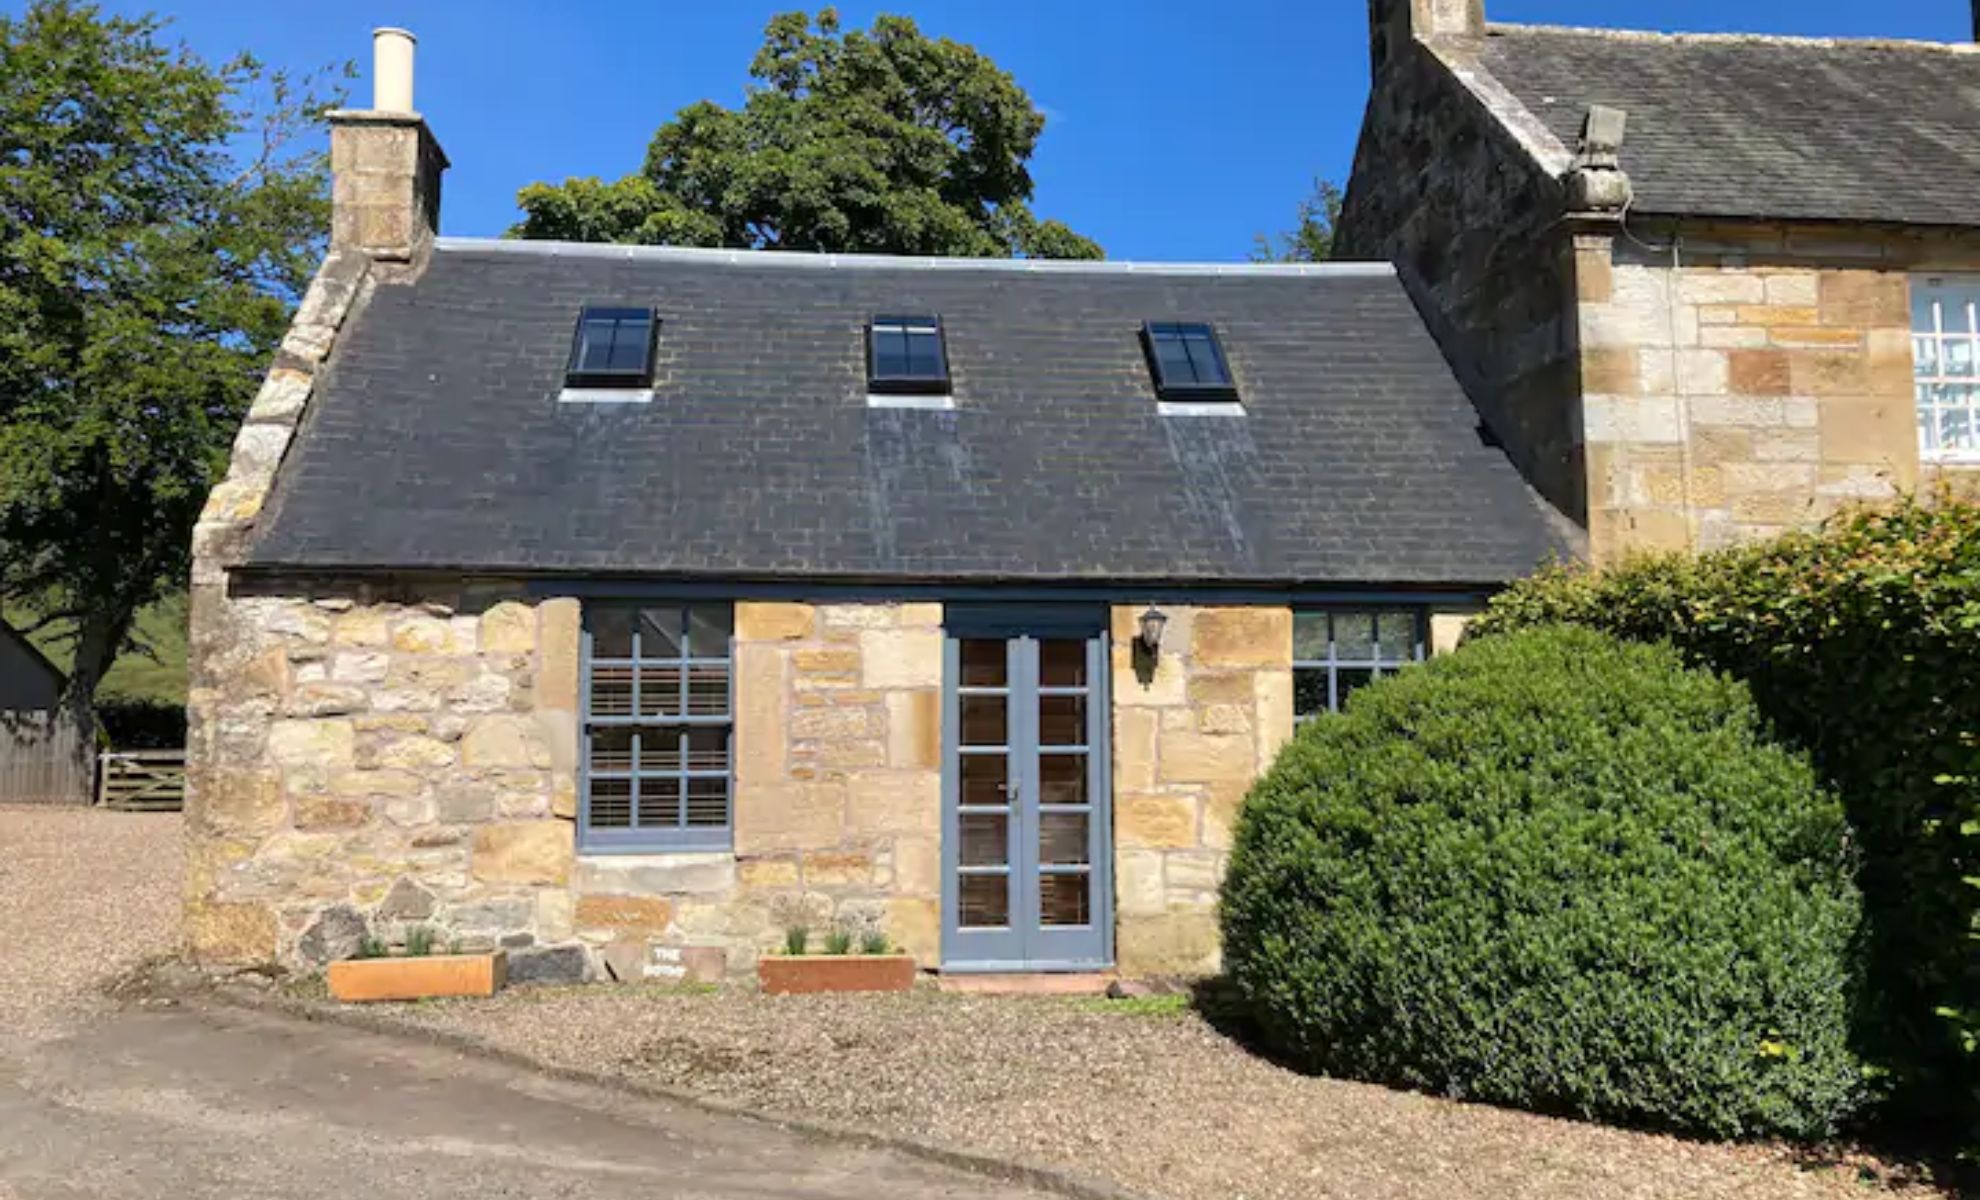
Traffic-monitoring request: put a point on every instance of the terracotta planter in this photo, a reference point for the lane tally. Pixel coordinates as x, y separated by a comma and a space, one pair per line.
803, 974
361, 979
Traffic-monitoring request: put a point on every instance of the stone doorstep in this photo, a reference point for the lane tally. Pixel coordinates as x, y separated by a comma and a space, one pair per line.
1084, 983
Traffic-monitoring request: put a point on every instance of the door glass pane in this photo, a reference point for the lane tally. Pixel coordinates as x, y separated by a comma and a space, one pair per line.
983, 664
983, 721
983, 778
1062, 779
1062, 663
1062, 720
1062, 900
985, 901
1062, 840
986, 840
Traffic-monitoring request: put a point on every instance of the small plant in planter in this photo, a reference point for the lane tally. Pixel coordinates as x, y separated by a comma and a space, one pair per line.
873, 969
418, 974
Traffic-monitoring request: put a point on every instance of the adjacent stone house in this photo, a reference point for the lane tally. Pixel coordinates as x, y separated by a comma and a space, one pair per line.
622, 606
1702, 288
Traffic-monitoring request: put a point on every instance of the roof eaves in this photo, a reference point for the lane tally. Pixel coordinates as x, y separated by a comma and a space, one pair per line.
802, 259
1459, 56
1656, 37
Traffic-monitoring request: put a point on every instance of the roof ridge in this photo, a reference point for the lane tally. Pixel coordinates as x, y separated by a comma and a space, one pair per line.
818, 261
1759, 39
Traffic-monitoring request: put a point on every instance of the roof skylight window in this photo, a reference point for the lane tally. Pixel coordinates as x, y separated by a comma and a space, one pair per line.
906, 356
1187, 362
613, 348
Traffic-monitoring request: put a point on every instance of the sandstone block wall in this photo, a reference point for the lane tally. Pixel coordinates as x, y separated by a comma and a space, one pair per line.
1193, 728
838, 773
1730, 397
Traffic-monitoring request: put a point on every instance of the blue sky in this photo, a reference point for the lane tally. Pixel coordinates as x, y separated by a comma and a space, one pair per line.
1172, 136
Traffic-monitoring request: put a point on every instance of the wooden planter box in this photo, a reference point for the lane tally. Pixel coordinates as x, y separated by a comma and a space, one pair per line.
360, 979
803, 974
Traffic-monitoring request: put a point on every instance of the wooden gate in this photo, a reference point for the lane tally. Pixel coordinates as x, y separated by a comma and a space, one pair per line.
142, 781
43, 759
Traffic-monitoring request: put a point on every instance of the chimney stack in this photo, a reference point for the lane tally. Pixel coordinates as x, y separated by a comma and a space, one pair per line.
1394, 24
386, 165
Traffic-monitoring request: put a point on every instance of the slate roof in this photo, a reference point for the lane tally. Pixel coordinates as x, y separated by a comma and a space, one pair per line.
436, 439
1757, 127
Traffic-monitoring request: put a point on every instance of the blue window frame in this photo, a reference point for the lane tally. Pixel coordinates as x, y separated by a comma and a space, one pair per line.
1187, 362
1337, 650
657, 727
907, 356
613, 348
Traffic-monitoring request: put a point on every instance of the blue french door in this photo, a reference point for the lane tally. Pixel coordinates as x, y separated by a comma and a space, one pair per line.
1026, 830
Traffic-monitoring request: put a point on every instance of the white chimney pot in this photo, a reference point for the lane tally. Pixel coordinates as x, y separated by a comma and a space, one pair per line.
392, 70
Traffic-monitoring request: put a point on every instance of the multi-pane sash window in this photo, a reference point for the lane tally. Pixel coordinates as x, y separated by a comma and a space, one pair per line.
1338, 650
657, 727
1945, 340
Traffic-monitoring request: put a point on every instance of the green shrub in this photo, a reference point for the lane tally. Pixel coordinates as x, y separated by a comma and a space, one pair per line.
1861, 642
1557, 871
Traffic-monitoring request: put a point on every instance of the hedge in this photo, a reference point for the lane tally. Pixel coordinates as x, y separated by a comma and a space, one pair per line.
1861, 642
1558, 871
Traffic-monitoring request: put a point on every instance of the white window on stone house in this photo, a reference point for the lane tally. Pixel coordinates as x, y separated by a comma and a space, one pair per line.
1945, 339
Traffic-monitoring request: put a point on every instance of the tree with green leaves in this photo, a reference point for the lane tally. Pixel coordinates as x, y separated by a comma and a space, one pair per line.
159, 216
883, 142
1311, 239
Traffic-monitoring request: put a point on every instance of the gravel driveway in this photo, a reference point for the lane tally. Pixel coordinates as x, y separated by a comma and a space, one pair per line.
1159, 1103
84, 895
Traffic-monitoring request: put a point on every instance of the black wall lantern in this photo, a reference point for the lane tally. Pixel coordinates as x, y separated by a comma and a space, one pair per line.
1153, 622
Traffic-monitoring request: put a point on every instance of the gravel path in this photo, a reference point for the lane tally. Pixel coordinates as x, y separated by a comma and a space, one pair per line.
84, 895
1159, 1103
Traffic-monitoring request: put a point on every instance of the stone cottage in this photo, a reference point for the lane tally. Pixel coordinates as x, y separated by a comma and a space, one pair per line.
1701, 288
623, 606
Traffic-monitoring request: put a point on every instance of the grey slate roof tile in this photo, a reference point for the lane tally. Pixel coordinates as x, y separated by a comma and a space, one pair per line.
436, 440
1765, 127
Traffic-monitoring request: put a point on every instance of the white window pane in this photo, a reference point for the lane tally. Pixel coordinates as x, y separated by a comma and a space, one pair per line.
1959, 358
1925, 352
1956, 429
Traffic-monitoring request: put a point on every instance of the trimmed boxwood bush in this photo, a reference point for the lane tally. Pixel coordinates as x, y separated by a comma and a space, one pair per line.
1557, 871
1861, 642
